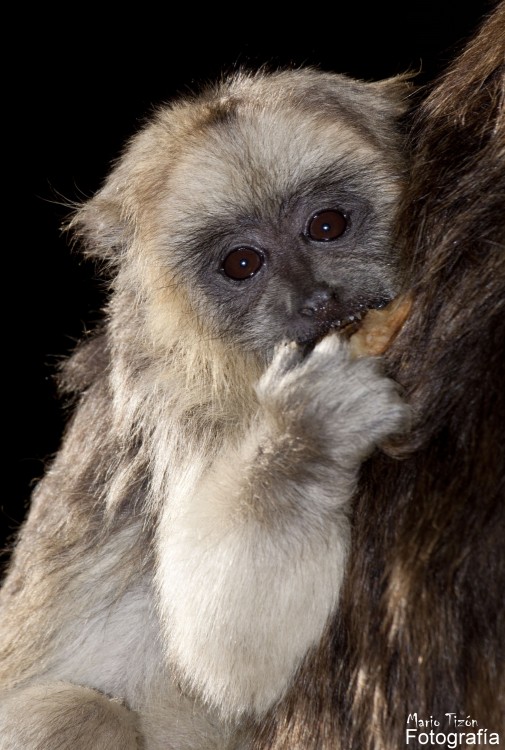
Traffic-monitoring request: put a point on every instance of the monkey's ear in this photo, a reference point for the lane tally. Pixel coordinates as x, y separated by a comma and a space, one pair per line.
100, 226
106, 224
388, 103
393, 95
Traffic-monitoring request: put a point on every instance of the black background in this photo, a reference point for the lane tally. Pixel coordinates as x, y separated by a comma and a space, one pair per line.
76, 89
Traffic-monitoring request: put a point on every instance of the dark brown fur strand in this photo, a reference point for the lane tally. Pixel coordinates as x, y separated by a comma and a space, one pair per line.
422, 621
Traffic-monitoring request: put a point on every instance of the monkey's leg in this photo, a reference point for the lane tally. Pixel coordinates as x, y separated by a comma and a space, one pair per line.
251, 556
64, 716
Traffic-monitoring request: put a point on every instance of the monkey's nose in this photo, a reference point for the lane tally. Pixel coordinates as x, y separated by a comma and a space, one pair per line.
320, 304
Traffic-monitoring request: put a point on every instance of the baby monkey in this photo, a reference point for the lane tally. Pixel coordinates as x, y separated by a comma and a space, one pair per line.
186, 547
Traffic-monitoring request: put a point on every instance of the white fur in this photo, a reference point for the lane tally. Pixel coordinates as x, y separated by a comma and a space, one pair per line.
249, 572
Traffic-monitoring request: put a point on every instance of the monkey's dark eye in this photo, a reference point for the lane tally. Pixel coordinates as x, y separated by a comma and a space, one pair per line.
326, 225
242, 263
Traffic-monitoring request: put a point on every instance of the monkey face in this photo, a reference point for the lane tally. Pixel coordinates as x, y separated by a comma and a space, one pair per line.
267, 204
290, 242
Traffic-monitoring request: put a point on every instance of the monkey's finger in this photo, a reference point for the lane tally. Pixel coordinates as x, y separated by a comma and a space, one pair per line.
286, 357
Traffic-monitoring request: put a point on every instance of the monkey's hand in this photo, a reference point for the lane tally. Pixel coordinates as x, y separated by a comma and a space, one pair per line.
330, 406
251, 559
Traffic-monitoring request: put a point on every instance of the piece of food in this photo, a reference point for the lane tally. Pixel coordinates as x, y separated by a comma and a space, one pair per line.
379, 328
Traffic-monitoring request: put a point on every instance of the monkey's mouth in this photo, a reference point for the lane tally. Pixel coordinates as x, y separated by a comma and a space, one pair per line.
346, 324
350, 323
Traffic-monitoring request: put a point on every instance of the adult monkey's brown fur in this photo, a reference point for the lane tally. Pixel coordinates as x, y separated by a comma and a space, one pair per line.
421, 626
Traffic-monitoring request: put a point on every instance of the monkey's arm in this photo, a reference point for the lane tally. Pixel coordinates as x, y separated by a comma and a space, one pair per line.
251, 557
